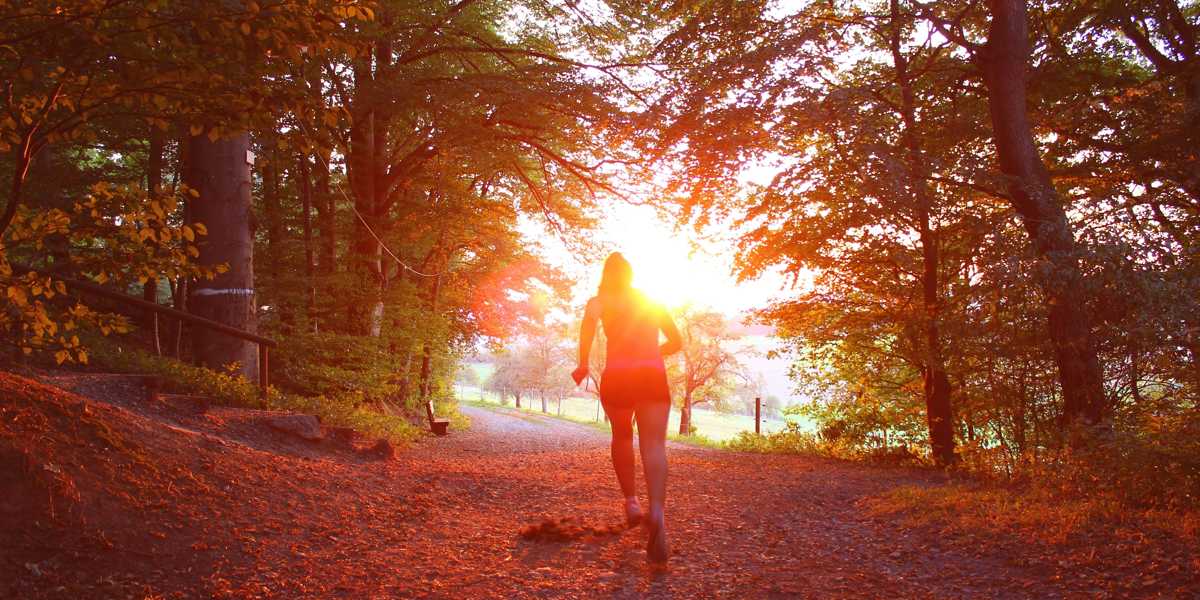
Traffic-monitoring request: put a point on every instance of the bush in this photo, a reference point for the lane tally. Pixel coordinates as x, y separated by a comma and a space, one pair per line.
696, 439
1153, 464
791, 440
334, 364
342, 409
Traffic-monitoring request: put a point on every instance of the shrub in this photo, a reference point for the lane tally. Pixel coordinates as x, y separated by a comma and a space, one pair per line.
343, 409
791, 440
37, 315
335, 364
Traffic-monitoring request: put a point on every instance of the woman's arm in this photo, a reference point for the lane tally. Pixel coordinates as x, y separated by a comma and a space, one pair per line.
587, 333
667, 324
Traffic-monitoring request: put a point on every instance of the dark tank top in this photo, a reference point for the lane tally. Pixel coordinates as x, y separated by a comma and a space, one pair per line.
631, 324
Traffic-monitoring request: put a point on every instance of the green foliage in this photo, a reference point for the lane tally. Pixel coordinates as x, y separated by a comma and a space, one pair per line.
695, 439
335, 364
790, 440
1153, 464
114, 233
343, 409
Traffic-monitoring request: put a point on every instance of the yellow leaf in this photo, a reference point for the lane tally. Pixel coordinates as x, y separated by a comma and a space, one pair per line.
245, 28
82, 356
146, 234
60, 356
102, 277
192, 251
201, 228
196, 129
188, 234
26, 350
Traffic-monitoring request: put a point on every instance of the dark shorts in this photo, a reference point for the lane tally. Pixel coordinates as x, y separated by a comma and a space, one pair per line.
628, 388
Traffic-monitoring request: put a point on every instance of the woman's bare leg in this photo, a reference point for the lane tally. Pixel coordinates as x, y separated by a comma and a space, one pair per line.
622, 449
652, 441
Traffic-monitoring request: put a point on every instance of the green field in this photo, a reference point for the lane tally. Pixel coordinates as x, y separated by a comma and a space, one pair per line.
713, 425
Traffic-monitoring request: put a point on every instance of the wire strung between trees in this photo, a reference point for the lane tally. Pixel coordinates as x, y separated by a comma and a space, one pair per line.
371, 231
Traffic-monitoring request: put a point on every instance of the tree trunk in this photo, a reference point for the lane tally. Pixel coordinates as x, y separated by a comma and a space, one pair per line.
544, 408
179, 293
517, 399
366, 167
220, 172
427, 356
938, 408
310, 301
154, 169
685, 415
1004, 61
274, 218
326, 219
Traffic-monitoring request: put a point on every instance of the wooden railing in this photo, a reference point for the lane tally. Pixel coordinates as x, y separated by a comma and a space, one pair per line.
264, 344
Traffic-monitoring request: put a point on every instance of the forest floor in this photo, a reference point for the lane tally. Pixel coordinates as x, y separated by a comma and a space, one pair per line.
105, 495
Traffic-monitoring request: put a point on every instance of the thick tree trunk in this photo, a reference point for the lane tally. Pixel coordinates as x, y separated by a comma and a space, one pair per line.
1004, 61
220, 172
366, 161
366, 317
685, 415
938, 408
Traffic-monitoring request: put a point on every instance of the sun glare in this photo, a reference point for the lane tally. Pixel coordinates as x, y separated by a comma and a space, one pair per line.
665, 266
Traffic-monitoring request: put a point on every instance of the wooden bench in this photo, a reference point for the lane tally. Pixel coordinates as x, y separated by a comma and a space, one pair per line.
437, 425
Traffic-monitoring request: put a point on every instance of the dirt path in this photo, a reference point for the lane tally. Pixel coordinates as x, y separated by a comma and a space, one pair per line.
225, 511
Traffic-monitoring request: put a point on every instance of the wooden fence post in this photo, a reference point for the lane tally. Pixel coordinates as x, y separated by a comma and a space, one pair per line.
757, 415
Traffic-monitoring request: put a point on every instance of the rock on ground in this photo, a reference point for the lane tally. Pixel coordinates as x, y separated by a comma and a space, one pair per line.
304, 426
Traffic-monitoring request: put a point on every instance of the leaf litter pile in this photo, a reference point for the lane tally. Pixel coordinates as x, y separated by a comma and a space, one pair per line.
103, 495
568, 529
